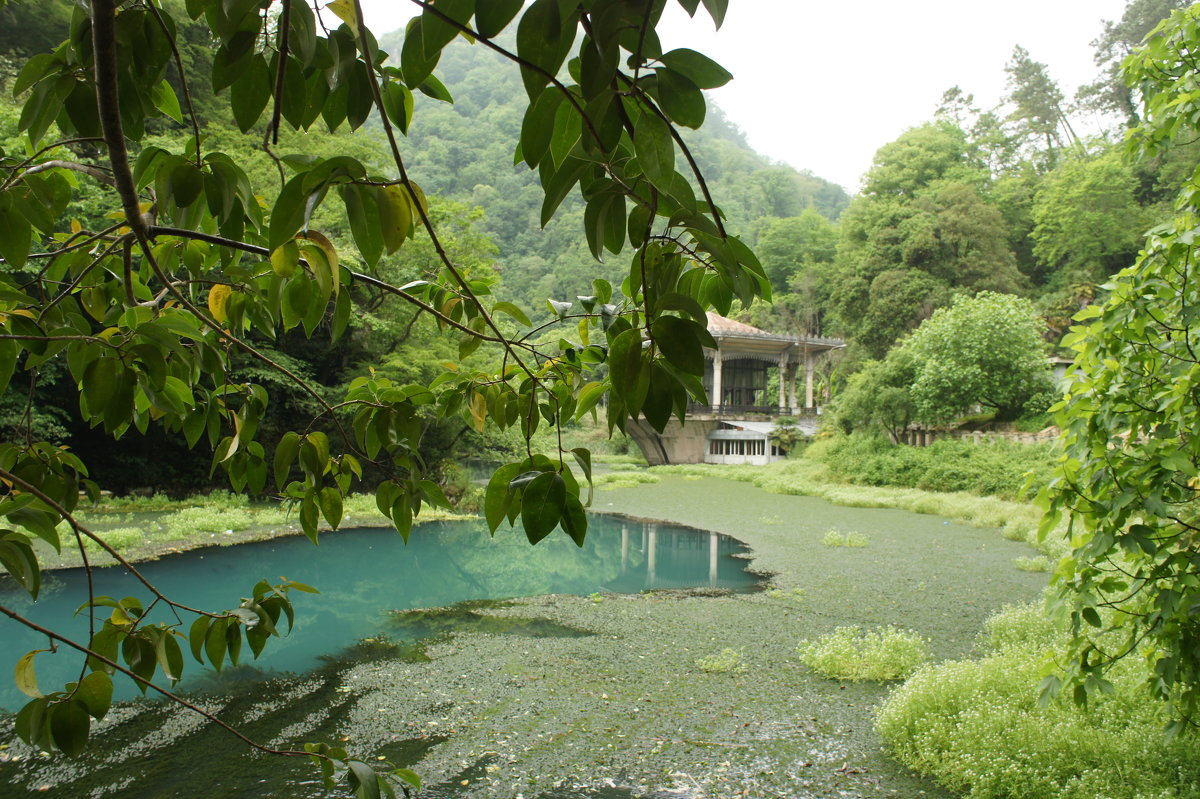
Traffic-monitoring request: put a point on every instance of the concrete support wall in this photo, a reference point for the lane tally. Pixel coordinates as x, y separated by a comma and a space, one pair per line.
676, 444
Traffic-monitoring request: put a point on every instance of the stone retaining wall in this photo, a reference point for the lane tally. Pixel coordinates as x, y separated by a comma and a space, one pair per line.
921, 437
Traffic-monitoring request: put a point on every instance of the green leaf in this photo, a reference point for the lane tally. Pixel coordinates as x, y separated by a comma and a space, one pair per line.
309, 518
19, 560
402, 516
558, 184
716, 10
362, 780
415, 63
30, 723
513, 311
583, 457
630, 380
170, 658
542, 505
432, 87
659, 398
493, 16
680, 98
331, 505
681, 342
589, 396
395, 215
434, 494
215, 642
655, 150
538, 125
287, 217
250, 93
40, 65
574, 519
696, 67
498, 496
164, 99
95, 691
186, 184
69, 726
16, 234
436, 33
544, 37
565, 133
398, 104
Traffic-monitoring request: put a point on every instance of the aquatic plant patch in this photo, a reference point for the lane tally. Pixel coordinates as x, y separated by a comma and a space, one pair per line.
850, 653
727, 661
1037, 563
836, 538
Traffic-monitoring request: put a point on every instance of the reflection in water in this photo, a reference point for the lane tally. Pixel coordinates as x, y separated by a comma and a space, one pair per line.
364, 574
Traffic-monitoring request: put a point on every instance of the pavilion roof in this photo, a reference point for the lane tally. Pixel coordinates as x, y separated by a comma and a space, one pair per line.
724, 327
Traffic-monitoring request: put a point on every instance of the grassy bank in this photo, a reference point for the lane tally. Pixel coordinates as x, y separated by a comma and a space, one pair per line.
145, 528
1017, 520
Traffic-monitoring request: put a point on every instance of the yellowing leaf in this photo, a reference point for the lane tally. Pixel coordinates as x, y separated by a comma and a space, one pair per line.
478, 411
418, 196
322, 258
25, 677
395, 216
218, 301
345, 11
285, 259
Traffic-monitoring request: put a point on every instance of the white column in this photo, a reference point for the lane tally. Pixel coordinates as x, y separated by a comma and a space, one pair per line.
791, 378
808, 380
712, 558
624, 547
783, 362
652, 555
718, 360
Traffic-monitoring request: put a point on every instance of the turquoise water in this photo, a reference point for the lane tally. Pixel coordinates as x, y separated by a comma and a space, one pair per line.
364, 575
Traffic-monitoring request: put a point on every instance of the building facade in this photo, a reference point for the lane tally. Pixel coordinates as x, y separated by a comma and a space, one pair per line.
751, 380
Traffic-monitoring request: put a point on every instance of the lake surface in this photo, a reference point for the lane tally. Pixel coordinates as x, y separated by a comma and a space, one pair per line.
364, 575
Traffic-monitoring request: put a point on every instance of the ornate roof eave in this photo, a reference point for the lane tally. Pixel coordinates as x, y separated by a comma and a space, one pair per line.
753, 339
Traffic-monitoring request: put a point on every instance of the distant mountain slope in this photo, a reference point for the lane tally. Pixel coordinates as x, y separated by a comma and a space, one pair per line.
464, 152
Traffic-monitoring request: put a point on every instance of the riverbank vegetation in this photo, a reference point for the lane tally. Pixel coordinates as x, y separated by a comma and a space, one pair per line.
146, 528
979, 727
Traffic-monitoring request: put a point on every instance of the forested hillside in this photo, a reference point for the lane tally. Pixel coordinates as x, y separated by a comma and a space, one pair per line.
1029, 198
456, 149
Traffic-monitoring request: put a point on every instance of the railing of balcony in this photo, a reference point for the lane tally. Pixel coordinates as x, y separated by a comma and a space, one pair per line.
730, 409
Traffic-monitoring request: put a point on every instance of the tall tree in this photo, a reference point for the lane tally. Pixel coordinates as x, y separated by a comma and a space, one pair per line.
1087, 221
922, 229
789, 245
1038, 104
1110, 93
983, 350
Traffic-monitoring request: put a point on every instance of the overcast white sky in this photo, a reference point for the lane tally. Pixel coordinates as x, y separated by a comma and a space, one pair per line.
821, 85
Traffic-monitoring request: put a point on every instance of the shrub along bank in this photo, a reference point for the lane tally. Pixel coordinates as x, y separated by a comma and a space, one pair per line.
979, 729
1001, 468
